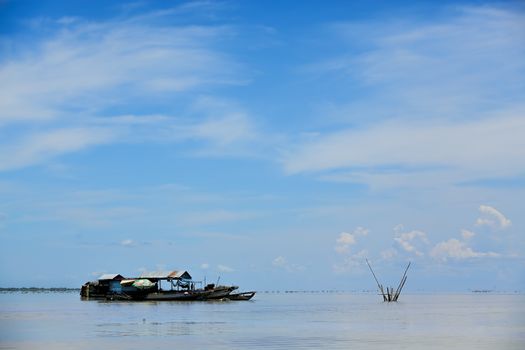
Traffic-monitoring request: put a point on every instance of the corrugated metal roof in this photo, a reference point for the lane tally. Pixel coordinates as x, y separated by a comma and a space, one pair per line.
111, 276
166, 274
182, 274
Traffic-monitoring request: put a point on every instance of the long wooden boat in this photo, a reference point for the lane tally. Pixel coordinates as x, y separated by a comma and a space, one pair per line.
220, 292
241, 296
177, 295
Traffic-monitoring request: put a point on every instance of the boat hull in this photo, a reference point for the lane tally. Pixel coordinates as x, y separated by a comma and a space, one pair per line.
241, 296
221, 292
176, 295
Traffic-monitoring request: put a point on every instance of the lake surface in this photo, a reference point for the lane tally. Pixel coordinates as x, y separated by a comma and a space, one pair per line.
269, 321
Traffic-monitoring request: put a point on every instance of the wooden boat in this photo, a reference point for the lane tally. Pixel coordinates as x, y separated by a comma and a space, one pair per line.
218, 292
241, 296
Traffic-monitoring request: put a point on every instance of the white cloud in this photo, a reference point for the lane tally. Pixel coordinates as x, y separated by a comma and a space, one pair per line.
39, 147
219, 131
411, 150
97, 64
345, 239
205, 266
493, 218
406, 240
456, 249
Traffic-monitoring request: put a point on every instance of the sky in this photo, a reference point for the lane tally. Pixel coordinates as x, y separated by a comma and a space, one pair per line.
276, 145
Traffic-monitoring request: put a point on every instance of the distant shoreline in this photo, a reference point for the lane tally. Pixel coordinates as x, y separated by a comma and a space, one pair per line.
38, 289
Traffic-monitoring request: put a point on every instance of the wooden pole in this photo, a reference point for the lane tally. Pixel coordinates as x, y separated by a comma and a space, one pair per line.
382, 292
401, 287
398, 290
378, 285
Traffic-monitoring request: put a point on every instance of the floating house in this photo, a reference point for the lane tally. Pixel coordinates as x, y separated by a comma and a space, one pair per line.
104, 285
157, 285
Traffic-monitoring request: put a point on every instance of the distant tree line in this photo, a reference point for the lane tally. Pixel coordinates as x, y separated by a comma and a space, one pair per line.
39, 289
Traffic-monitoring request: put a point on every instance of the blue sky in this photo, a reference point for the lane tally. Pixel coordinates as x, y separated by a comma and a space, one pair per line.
276, 145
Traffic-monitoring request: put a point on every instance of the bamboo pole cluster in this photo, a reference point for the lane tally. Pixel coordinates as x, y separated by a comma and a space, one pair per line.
390, 294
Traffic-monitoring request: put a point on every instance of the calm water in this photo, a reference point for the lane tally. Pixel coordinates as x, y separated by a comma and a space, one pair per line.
270, 321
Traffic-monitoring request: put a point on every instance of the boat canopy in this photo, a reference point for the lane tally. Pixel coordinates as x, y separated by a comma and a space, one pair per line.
111, 276
166, 275
143, 284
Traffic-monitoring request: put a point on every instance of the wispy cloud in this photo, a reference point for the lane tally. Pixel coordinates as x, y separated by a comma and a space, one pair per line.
451, 105
446, 68
95, 65
454, 151
40, 147
60, 93
492, 217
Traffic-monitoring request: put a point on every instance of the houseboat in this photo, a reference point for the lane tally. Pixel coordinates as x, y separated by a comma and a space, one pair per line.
156, 285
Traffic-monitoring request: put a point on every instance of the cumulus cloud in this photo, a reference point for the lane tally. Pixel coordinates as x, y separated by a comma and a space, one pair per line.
406, 240
345, 239
460, 249
456, 249
492, 217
